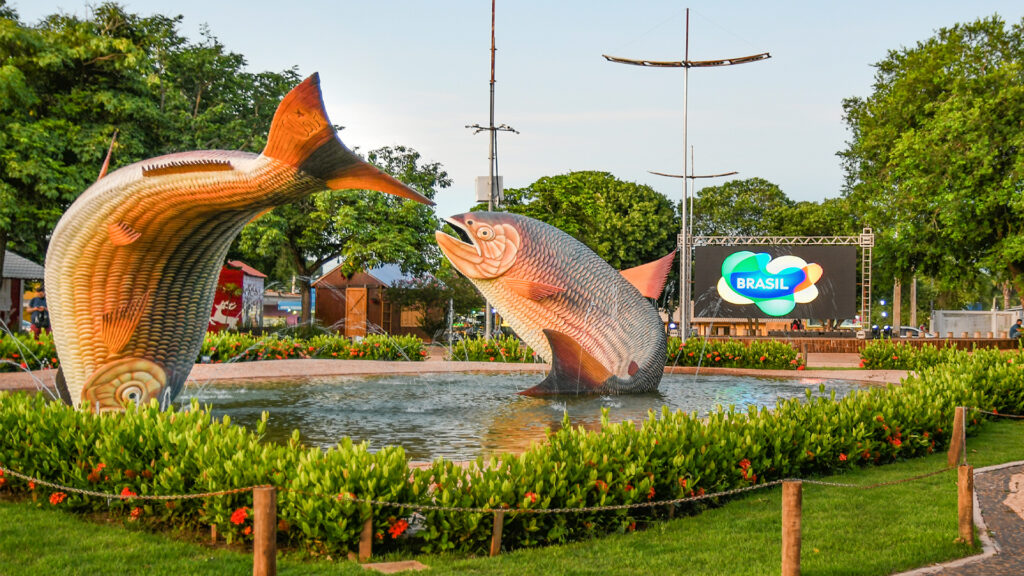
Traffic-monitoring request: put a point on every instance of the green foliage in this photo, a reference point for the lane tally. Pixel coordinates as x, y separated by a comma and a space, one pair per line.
624, 223
934, 163
501, 349
752, 207
20, 351
244, 347
668, 455
889, 355
363, 228
764, 354
66, 85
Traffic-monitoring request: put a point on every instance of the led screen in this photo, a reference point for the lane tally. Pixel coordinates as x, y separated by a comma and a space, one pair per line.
775, 282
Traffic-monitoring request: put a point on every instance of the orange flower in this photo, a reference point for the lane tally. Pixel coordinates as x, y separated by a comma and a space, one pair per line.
136, 512
57, 498
842, 457
126, 492
247, 531
239, 516
532, 496
398, 528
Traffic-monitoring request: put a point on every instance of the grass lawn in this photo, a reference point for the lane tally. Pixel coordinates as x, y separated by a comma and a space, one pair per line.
846, 532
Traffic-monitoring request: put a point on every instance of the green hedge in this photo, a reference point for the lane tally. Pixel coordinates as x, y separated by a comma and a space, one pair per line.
669, 455
244, 347
501, 349
20, 351
765, 354
890, 355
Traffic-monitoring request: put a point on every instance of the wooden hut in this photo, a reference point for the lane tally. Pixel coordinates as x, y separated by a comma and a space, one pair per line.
358, 305
13, 288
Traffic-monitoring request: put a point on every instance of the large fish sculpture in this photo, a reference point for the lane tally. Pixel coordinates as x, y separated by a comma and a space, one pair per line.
590, 321
132, 265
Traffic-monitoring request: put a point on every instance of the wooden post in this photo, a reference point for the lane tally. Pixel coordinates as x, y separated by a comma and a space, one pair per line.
956, 439
965, 503
792, 502
366, 540
213, 533
264, 531
499, 524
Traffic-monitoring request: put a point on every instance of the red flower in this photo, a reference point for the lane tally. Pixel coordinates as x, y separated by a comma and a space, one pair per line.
632, 526
650, 493
682, 482
800, 367
762, 358
690, 354
601, 485
398, 528
629, 487
861, 363
745, 463
57, 498
879, 418
492, 358
239, 516
896, 442
532, 496
31, 485
865, 455
126, 492
842, 457
247, 531
424, 353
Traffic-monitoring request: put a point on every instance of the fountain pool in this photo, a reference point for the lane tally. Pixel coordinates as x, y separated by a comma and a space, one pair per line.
461, 416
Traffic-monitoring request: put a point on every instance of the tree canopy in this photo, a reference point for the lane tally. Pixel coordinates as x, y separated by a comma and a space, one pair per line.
362, 228
625, 223
935, 162
66, 85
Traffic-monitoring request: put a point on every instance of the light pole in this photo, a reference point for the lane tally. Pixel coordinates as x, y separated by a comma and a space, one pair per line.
492, 168
684, 245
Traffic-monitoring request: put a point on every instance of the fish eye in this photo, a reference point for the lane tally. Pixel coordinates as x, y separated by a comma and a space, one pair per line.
132, 394
485, 233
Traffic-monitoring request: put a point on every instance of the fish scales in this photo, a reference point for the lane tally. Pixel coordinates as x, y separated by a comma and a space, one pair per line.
592, 304
132, 266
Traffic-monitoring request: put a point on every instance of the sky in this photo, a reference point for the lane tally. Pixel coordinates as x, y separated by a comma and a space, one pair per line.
416, 72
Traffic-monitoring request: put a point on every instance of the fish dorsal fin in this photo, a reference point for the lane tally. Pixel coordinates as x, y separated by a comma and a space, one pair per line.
302, 136
106, 161
122, 234
185, 167
573, 369
530, 289
260, 215
119, 324
649, 278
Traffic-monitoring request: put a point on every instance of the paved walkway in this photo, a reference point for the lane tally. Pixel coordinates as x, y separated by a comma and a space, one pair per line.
999, 499
819, 364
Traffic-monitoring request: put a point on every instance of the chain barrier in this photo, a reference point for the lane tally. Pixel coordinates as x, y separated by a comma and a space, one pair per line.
878, 484
111, 496
997, 414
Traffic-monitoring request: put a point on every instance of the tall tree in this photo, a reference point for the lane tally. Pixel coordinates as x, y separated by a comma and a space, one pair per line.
935, 163
363, 228
66, 84
750, 207
625, 223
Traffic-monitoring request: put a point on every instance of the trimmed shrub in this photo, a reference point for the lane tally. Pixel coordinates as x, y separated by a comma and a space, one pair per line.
889, 355
667, 456
24, 352
765, 354
501, 349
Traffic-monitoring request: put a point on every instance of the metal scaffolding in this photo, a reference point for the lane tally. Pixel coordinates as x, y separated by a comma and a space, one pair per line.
866, 241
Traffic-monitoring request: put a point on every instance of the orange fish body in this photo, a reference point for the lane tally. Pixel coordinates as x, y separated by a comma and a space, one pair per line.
576, 311
132, 266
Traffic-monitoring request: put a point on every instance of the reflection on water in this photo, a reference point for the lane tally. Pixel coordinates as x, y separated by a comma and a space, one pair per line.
461, 416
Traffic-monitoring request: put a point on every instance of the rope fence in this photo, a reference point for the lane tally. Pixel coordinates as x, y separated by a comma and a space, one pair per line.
265, 504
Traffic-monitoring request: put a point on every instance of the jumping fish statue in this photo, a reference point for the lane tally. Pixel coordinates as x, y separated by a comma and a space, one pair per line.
132, 266
590, 321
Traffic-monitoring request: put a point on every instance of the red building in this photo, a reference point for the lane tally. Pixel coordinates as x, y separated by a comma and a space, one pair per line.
238, 302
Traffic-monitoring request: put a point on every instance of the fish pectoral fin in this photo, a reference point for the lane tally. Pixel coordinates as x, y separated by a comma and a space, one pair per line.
119, 324
573, 369
122, 234
532, 290
649, 278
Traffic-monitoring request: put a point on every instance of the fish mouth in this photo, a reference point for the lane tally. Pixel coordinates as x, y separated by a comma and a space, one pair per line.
461, 251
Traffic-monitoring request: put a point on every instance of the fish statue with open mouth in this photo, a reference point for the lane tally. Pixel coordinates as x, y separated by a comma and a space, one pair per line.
590, 321
132, 266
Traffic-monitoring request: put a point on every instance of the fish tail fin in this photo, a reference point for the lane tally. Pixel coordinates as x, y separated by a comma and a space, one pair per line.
573, 369
649, 278
301, 135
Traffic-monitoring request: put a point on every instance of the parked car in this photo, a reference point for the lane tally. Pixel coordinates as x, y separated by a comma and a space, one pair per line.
911, 332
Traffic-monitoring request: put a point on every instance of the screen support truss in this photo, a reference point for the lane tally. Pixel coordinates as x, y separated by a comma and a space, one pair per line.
866, 241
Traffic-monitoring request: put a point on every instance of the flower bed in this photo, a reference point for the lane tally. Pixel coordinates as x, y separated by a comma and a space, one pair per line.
890, 355
502, 349
764, 354
24, 352
243, 347
669, 455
